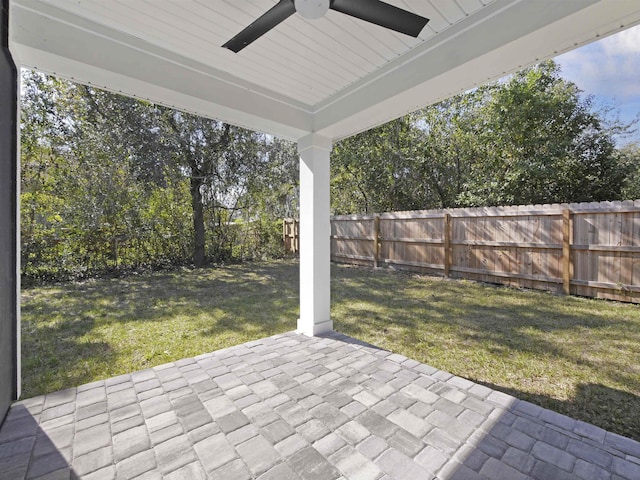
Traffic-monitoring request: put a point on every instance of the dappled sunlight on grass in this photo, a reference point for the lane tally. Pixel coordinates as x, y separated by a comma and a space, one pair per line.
577, 356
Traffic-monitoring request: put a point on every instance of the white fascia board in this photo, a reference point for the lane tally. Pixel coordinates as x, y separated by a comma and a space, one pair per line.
520, 35
78, 49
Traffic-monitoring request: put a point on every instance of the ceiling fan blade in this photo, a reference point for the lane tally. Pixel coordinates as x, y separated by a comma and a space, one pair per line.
383, 14
280, 12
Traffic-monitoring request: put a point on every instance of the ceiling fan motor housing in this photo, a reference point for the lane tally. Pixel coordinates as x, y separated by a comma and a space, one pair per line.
312, 9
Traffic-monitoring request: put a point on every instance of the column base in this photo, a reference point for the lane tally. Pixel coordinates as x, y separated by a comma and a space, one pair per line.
316, 329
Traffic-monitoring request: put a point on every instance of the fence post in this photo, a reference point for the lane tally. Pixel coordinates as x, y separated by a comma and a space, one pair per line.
376, 241
284, 235
447, 245
566, 252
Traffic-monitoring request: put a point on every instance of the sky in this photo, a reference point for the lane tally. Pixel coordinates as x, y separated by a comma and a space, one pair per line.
609, 69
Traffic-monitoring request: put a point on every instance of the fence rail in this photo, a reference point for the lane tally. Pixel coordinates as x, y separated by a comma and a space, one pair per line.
586, 249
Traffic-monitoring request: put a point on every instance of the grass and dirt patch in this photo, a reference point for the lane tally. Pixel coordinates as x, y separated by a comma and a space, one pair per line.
577, 356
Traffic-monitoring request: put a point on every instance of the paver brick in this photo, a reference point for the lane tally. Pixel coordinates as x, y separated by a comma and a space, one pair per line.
496, 470
162, 435
91, 410
46, 464
589, 471
235, 470
232, 421
441, 440
329, 444
376, 424
91, 439
457, 471
130, 442
447, 406
277, 431
214, 452
282, 471
353, 432
547, 471
541, 432
421, 394
60, 397
89, 397
242, 434
191, 471
312, 430
625, 469
91, 421
452, 425
93, 461
291, 445
590, 431
174, 454
372, 447
398, 465
16, 448
293, 413
594, 455
155, 406
624, 444
136, 465
519, 460
14, 467
352, 464
258, 454
431, 458
60, 437
220, 406
553, 455
353, 409
311, 465
106, 473
405, 442
126, 424
58, 411
558, 420
329, 415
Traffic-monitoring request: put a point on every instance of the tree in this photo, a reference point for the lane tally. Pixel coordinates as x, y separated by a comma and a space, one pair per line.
541, 142
531, 138
109, 180
629, 157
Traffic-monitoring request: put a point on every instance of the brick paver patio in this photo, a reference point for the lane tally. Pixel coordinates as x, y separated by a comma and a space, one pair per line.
292, 407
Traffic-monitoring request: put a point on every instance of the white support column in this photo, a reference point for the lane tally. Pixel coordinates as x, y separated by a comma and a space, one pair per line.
315, 231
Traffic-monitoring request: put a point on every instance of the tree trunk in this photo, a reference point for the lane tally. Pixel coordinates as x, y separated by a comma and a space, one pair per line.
198, 221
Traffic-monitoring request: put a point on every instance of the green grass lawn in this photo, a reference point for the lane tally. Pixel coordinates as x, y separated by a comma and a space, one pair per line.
577, 356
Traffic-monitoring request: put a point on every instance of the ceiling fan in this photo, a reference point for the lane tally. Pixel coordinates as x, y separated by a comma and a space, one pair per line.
372, 11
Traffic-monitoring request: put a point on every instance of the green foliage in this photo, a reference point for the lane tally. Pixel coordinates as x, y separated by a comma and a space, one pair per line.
532, 138
540, 142
629, 157
111, 183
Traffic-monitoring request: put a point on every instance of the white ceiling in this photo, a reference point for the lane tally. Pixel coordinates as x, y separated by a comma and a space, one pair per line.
334, 76
310, 60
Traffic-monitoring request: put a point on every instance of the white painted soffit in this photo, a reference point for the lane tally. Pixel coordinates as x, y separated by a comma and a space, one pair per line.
500, 37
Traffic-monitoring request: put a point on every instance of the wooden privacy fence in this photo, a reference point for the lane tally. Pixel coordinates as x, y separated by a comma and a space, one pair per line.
586, 249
